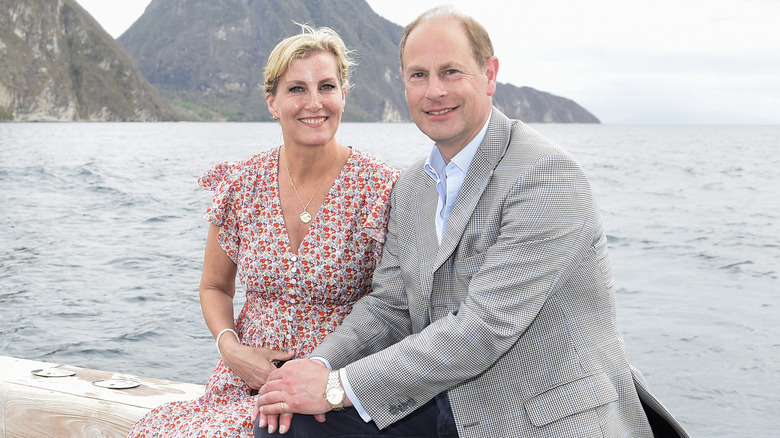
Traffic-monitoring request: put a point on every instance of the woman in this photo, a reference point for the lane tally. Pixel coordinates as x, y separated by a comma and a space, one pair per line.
301, 224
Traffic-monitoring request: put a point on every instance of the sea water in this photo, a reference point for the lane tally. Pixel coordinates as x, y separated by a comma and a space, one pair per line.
102, 242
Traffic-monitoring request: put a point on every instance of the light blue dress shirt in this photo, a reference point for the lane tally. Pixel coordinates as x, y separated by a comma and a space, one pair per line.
449, 179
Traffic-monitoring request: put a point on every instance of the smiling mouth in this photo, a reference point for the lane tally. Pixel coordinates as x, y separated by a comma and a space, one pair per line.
440, 112
316, 121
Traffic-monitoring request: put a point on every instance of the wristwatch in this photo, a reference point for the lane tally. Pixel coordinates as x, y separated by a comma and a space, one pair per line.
334, 393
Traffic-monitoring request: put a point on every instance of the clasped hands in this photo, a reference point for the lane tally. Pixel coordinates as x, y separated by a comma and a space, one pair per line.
298, 387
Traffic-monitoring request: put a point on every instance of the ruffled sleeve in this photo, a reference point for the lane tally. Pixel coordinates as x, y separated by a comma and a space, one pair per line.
382, 178
224, 180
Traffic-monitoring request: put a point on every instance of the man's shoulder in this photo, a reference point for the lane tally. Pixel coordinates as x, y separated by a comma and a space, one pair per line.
413, 174
525, 148
531, 144
512, 136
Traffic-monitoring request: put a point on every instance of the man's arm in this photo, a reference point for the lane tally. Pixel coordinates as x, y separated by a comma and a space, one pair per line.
380, 318
543, 225
379, 315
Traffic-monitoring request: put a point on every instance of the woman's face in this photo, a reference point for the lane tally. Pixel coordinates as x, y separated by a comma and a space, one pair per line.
309, 100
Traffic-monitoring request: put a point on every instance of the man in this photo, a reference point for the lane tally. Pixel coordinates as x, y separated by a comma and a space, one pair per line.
493, 311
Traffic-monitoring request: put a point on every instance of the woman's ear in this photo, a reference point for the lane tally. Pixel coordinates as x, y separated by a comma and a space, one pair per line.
270, 100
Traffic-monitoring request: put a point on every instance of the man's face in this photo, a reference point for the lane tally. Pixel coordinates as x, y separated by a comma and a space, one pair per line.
449, 95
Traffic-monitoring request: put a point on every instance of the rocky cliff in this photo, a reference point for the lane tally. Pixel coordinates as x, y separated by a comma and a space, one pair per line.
534, 106
207, 58
58, 64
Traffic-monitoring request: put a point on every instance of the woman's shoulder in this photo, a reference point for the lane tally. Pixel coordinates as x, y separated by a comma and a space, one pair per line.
369, 165
254, 164
244, 170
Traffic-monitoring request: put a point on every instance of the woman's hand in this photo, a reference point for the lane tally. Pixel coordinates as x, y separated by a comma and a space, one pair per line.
251, 364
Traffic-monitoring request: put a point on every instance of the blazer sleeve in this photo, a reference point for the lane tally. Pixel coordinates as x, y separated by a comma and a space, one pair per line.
377, 320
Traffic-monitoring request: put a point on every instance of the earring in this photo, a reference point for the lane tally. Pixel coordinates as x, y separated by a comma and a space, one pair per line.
274, 117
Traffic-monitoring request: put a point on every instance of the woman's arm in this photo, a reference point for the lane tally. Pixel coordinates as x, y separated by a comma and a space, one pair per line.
217, 289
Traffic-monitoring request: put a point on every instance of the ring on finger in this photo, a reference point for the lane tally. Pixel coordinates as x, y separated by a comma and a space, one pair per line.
281, 405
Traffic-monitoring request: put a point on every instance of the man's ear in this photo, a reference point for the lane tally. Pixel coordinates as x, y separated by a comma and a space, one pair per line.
491, 70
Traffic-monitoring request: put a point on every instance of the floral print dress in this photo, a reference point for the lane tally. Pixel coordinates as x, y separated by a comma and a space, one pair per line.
292, 299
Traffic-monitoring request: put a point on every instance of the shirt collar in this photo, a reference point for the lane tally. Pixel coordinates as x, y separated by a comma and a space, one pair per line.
435, 164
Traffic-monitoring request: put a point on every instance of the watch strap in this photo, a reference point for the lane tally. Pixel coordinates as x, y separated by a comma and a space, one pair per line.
335, 382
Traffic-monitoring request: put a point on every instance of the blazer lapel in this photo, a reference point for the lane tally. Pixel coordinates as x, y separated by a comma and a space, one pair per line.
426, 199
489, 154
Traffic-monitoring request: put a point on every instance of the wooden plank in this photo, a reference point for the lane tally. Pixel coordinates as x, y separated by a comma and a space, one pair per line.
34, 406
33, 412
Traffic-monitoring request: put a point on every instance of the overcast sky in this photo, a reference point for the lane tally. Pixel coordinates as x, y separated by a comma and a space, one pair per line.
660, 62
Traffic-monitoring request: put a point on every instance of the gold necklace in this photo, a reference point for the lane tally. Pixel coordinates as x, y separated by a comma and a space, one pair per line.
305, 216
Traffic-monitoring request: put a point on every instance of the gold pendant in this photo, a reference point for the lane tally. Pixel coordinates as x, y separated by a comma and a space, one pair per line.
305, 217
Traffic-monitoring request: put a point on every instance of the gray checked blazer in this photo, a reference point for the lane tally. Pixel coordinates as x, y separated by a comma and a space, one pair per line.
513, 314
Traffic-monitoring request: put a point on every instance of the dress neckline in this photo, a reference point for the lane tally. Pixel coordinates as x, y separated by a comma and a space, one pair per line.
315, 220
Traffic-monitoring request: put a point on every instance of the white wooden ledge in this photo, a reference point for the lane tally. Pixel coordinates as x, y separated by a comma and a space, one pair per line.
33, 406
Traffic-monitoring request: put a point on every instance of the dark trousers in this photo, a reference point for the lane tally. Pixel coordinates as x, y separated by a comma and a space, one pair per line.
431, 420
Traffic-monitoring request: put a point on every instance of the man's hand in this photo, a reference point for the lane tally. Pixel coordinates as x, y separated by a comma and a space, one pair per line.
296, 388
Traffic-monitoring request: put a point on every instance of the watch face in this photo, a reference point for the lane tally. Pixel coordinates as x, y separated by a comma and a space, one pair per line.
334, 395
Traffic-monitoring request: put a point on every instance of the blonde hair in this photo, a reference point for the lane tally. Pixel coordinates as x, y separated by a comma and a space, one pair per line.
481, 46
308, 42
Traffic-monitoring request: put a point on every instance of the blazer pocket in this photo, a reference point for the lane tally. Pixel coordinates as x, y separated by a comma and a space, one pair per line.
571, 398
469, 266
464, 271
